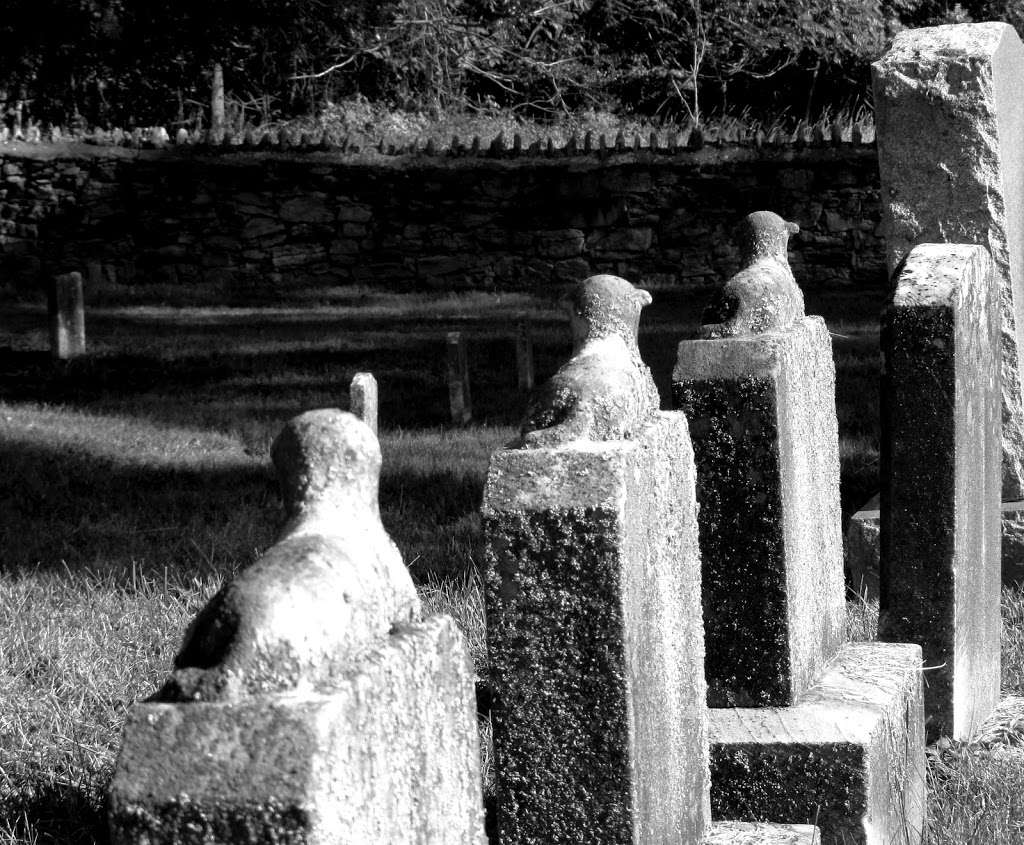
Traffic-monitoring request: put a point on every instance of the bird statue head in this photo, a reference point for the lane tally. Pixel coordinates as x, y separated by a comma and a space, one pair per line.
606, 305
763, 234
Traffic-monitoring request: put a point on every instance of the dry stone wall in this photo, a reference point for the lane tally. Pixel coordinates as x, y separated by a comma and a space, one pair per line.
274, 222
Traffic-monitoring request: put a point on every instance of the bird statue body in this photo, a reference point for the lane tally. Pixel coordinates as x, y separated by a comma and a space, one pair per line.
763, 296
605, 391
331, 587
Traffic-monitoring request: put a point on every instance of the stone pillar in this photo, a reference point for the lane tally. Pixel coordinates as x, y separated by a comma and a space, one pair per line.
524, 357
950, 120
941, 456
458, 379
762, 415
67, 317
362, 395
309, 702
595, 641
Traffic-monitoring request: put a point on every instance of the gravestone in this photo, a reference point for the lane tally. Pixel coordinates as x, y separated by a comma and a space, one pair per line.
950, 120
309, 702
458, 379
363, 400
524, 357
803, 728
941, 458
593, 601
67, 317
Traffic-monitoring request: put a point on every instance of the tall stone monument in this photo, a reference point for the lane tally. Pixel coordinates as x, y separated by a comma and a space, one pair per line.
950, 120
593, 601
309, 703
941, 456
803, 728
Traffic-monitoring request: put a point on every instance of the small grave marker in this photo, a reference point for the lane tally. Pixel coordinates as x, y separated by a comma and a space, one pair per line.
67, 317
362, 395
458, 379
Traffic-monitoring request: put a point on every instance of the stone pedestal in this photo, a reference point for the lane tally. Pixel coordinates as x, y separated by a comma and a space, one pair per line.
940, 500
765, 440
848, 756
390, 755
595, 641
950, 120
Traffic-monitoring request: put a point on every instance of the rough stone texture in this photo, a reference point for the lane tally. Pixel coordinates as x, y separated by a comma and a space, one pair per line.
950, 121
363, 399
307, 705
67, 316
763, 295
763, 421
595, 641
848, 756
332, 583
274, 225
940, 458
604, 391
390, 755
863, 542
761, 833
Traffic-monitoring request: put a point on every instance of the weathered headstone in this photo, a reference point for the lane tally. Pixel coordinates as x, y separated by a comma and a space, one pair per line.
593, 602
761, 406
67, 316
308, 702
803, 729
458, 379
950, 122
524, 357
941, 457
362, 395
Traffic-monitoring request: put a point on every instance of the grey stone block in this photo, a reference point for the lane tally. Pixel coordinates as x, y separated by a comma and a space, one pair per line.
863, 541
390, 756
848, 756
595, 641
950, 120
765, 439
762, 833
941, 458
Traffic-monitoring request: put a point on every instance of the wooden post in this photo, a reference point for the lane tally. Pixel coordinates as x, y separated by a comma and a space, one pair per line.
67, 317
458, 379
217, 104
524, 357
362, 394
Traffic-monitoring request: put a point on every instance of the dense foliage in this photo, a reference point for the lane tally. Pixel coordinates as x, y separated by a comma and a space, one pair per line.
131, 62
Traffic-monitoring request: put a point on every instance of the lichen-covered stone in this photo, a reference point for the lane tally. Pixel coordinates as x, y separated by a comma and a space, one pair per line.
765, 439
363, 399
762, 833
604, 391
595, 641
390, 755
848, 756
763, 295
940, 516
950, 121
332, 583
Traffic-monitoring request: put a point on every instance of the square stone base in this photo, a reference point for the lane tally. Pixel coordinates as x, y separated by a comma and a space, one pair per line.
391, 756
849, 756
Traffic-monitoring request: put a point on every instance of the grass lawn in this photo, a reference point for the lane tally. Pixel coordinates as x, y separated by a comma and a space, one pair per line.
135, 481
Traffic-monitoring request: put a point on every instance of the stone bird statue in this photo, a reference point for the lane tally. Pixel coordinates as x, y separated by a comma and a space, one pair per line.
763, 296
604, 391
332, 586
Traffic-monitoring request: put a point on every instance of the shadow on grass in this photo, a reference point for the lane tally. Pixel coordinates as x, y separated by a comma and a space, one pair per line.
56, 814
67, 507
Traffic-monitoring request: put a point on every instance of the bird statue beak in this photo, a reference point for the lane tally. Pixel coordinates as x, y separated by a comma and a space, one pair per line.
644, 297
792, 228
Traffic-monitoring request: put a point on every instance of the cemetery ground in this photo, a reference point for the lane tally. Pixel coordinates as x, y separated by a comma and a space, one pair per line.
136, 479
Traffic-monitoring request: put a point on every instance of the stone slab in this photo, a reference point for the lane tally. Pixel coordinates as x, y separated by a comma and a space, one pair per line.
849, 756
390, 756
765, 439
363, 399
595, 642
761, 833
940, 469
66, 307
862, 550
949, 120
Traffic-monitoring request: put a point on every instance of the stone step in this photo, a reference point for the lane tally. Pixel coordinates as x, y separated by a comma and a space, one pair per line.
848, 756
762, 833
